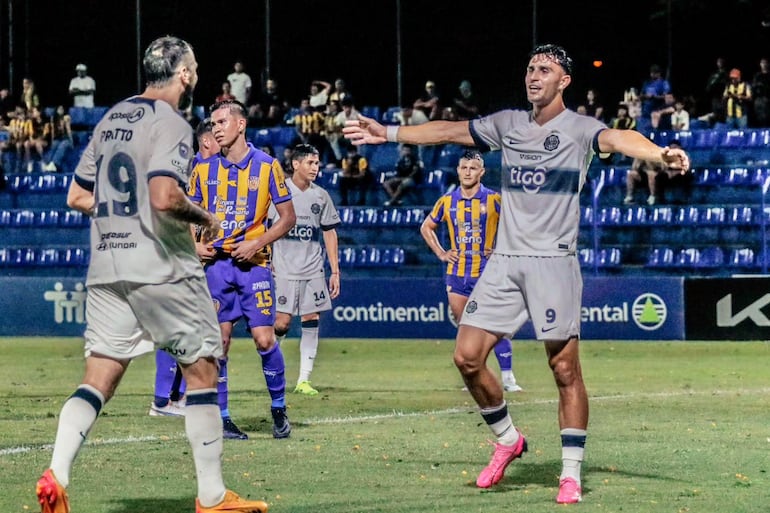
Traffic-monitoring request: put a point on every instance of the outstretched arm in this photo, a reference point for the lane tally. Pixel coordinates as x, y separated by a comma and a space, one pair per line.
368, 131
635, 145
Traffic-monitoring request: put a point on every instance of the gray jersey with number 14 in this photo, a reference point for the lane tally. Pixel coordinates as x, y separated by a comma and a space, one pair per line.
299, 255
544, 169
136, 140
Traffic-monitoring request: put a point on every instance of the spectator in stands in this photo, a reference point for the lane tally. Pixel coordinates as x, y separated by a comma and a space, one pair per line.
286, 163
268, 148
5, 137
622, 120
226, 94
240, 83
348, 112
653, 94
594, 106
760, 90
355, 175
333, 134
29, 98
82, 88
410, 116
58, 130
270, 108
340, 91
582, 110
319, 95
409, 174
657, 176
715, 88
429, 102
661, 118
36, 142
680, 118
633, 102
7, 105
20, 129
737, 100
466, 104
676, 180
309, 125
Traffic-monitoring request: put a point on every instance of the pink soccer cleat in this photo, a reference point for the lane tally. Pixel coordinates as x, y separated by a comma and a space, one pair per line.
569, 491
501, 458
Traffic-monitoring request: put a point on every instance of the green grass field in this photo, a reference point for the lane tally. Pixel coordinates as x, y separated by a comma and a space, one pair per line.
675, 427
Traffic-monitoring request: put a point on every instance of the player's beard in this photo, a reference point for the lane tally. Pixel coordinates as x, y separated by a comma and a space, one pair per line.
187, 97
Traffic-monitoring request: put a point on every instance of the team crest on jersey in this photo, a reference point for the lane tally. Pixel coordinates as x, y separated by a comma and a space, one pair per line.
281, 300
315, 208
253, 183
471, 307
551, 142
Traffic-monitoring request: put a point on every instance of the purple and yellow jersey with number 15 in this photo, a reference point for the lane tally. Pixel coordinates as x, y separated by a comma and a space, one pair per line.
239, 194
472, 228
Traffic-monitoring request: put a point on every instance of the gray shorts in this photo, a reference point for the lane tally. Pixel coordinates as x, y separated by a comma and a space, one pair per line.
126, 320
302, 297
512, 289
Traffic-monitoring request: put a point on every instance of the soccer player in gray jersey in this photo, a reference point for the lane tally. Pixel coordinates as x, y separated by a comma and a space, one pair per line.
298, 261
145, 282
533, 272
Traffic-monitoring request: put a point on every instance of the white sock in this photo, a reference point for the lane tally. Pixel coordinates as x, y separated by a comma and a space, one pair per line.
308, 347
203, 425
508, 377
76, 419
499, 421
573, 447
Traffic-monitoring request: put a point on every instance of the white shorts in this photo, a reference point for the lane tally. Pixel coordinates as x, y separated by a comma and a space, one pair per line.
302, 297
512, 289
126, 320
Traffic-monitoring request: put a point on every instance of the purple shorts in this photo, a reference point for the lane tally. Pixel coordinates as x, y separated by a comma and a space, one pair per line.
241, 290
462, 285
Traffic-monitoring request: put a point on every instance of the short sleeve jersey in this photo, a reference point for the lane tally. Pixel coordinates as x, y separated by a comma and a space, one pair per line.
299, 255
239, 194
543, 171
136, 140
472, 226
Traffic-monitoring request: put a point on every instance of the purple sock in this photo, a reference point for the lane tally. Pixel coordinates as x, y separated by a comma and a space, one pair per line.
222, 389
504, 354
273, 367
165, 369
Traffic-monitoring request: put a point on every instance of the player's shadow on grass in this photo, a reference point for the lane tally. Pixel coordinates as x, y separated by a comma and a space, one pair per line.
155, 505
521, 474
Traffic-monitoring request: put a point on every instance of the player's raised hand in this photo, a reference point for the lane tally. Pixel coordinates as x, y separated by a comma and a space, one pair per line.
676, 158
364, 131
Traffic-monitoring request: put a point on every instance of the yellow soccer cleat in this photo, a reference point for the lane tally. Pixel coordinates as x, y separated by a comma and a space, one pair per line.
304, 388
234, 504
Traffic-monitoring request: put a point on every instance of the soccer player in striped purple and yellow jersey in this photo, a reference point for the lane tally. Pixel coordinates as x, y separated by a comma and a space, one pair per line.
238, 188
470, 214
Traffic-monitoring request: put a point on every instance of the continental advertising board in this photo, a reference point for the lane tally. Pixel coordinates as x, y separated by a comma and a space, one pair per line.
613, 308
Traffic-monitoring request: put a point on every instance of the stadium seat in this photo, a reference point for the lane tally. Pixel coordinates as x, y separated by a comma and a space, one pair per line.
392, 256
660, 257
732, 139
347, 257
711, 257
688, 257
6, 218
23, 218
610, 216
709, 176
391, 217
199, 111
586, 257
49, 218
684, 137
758, 138
261, 137
74, 219
44, 183
586, 215
741, 257
368, 217
614, 176
371, 111
704, 139
76, 257
368, 256
384, 157
414, 216
95, 114
634, 216
660, 216
711, 215
47, 257
389, 116
687, 215
740, 215
78, 116
609, 257
347, 215
19, 183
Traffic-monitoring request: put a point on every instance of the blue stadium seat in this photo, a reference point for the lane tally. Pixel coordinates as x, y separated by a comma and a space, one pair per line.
740, 215
609, 257
711, 215
687, 215
261, 137
586, 215
368, 217
283, 136
586, 257
688, 257
449, 156
614, 176
74, 219
610, 216
78, 116
393, 256
23, 218
660, 216
47, 257
705, 139
684, 137
347, 257
95, 114
19, 183
414, 216
76, 257
709, 176
44, 183
758, 138
368, 256
391, 217
738, 176
49, 218
660, 257
371, 111
389, 116
634, 216
384, 157
732, 139
6, 218
347, 215
741, 257
711, 257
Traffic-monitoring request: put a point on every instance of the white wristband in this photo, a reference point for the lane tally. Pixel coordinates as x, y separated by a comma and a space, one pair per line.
391, 133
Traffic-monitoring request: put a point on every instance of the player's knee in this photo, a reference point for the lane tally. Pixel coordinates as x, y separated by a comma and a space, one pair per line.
566, 372
467, 365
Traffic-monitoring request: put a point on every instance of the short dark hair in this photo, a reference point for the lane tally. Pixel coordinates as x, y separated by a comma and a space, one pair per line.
302, 151
555, 52
203, 128
472, 155
236, 108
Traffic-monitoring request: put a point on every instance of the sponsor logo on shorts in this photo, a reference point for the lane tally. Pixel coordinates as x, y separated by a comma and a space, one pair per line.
471, 307
281, 300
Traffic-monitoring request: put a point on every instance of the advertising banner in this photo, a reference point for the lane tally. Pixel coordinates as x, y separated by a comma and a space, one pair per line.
736, 308
613, 308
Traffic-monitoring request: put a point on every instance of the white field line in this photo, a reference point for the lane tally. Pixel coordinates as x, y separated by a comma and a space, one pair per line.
8, 451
